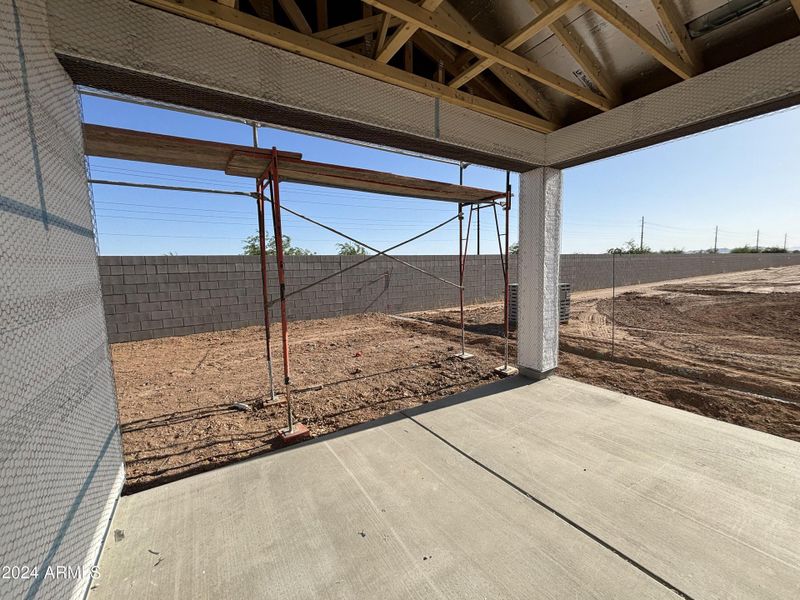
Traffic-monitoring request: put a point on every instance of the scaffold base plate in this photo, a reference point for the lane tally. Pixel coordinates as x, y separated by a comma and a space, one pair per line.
298, 434
507, 371
465, 356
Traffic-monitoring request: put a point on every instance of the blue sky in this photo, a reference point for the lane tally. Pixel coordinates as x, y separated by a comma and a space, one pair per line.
741, 178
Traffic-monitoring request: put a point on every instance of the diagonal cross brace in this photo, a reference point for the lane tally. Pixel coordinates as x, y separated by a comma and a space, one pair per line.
369, 258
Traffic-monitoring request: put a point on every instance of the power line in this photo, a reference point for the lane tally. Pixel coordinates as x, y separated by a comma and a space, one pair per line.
187, 212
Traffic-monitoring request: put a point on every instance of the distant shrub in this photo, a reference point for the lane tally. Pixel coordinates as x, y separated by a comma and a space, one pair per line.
630, 247
746, 249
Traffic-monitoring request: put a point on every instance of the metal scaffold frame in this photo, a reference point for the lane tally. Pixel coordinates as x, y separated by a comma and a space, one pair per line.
180, 151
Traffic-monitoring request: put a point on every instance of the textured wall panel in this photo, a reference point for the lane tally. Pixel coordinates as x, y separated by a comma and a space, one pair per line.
60, 455
764, 81
538, 270
139, 38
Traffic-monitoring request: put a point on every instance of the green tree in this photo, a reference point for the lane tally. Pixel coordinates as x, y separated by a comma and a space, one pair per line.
630, 247
252, 248
514, 248
746, 249
348, 249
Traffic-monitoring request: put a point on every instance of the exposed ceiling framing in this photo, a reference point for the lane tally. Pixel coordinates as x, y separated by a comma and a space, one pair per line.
494, 57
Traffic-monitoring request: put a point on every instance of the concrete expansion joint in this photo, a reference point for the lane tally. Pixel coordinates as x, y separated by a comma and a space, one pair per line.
553, 511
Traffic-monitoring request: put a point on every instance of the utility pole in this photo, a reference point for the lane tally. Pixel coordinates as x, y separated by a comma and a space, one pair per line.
785, 235
641, 238
758, 237
716, 233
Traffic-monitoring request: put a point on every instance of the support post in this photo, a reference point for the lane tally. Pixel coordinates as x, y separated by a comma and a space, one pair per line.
264, 291
539, 255
294, 432
506, 369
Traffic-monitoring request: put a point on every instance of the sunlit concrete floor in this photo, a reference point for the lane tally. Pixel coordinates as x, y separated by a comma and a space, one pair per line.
553, 489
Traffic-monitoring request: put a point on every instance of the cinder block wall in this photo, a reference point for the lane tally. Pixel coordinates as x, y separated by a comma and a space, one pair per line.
60, 456
594, 271
159, 296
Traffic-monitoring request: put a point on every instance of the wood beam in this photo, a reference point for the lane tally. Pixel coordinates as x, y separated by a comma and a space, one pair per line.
541, 22
354, 30
523, 88
440, 51
516, 83
641, 36
402, 35
471, 40
295, 15
676, 29
322, 15
580, 53
386, 21
796, 5
260, 30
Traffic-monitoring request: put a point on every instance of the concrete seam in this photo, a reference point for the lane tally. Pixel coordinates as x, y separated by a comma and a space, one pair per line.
556, 513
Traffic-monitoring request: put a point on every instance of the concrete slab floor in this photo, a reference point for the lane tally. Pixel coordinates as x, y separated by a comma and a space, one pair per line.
553, 489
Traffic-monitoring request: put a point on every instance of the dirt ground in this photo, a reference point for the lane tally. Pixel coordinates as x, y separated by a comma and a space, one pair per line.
175, 394
727, 347
738, 330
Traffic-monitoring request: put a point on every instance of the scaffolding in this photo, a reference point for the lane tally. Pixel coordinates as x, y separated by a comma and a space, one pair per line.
271, 167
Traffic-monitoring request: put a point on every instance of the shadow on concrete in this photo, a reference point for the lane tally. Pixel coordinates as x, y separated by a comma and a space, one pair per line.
268, 437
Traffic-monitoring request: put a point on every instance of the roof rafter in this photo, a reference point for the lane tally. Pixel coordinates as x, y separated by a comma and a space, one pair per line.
386, 21
541, 22
620, 19
402, 35
295, 15
439, 50
796, 5
676, 28
322, 15
580, 53
353, 30
470, 39
516, 83
234, 21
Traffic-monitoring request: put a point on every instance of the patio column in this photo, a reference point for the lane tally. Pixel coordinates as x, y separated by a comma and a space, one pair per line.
538, 269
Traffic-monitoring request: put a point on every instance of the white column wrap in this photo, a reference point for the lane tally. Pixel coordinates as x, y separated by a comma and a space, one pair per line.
539, 250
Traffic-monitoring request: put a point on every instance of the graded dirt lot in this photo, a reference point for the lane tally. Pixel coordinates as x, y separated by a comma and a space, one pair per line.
727, 347
738, 330
175, 394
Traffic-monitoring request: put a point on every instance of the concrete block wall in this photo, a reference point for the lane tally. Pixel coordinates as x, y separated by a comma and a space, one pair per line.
594, 271
61, 465
159, 296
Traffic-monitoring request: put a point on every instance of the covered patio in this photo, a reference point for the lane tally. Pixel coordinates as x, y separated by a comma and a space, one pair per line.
518, 489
